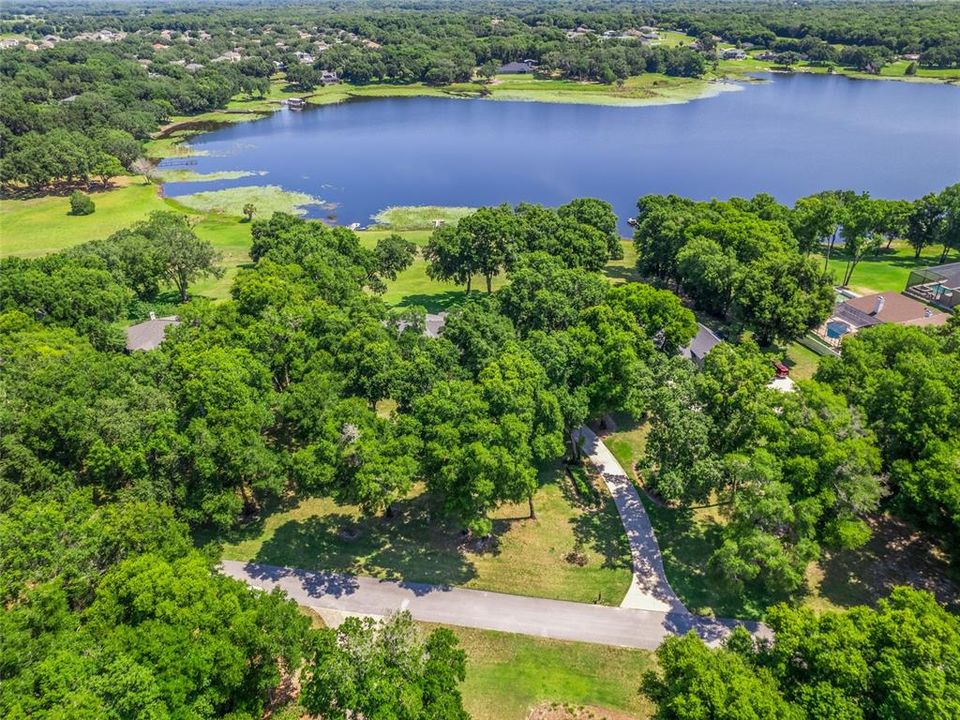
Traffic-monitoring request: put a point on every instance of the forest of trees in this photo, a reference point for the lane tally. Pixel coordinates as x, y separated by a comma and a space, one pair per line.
900, 660
279, 391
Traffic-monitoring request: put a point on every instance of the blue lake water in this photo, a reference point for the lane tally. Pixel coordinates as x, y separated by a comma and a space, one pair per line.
792, 136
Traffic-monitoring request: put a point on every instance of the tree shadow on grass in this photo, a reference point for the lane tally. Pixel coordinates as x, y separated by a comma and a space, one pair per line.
622, 273
248, 528
686, 545
598, 527
434, 302
897, 554
412, 546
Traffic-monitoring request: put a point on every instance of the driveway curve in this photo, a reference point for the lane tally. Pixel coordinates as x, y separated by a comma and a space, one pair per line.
649, 613
649, 588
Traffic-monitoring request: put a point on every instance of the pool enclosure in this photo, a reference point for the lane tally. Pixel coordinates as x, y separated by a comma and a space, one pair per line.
938, 285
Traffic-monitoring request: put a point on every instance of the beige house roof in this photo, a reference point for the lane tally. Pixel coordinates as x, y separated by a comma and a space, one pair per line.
896, 308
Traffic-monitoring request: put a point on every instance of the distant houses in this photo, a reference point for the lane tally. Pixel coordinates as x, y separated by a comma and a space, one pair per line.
645, 33
518, 68
432, 324
733, 54
229, 56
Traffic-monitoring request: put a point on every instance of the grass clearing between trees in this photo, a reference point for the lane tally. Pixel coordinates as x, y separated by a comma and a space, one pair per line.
43, 225
526, 557
802, 361
508, 675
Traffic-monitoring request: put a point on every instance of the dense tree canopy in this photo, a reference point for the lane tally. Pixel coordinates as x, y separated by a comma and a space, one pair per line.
739, 259
906, 380
797, 470
303, 382
368, 669
900, 660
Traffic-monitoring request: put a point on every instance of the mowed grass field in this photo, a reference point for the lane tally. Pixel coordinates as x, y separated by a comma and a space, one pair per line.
43, 225
527, 557
29, 228
508, 675
887, 271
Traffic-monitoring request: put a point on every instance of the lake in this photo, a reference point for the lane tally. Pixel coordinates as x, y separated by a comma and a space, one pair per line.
791, 136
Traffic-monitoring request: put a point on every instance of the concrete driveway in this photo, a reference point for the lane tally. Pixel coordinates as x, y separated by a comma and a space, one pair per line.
649, 589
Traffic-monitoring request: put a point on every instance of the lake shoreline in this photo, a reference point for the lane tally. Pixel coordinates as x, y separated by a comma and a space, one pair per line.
663, 90
548, 152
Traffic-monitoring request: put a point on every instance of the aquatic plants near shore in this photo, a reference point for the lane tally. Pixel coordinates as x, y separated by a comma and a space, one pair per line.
180, 175
267, 199
419, 217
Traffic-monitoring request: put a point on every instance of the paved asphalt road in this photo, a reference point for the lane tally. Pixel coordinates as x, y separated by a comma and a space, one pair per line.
556, 619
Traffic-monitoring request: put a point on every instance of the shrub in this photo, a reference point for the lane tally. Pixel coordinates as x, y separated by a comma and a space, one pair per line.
81, 204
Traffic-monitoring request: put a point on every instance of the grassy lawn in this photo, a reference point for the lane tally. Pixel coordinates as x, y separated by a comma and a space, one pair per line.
628, 443
670, 38
279, 90
625, 269
508, 675
42, 225
894, 71
897, 71
39, 226
802, 361
413, 288
527, 556
886, 272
